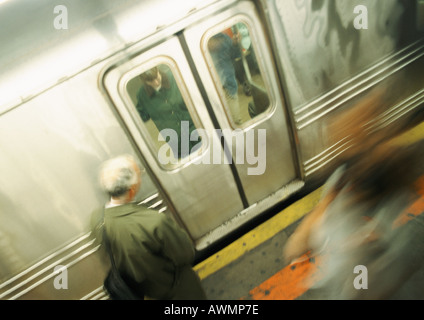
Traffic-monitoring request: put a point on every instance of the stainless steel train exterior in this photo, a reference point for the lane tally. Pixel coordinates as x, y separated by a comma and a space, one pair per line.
68, 82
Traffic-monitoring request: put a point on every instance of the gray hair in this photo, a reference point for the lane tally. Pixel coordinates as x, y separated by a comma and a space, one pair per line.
119, 174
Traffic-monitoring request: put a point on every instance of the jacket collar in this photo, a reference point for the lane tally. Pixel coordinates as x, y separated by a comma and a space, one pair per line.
122, 210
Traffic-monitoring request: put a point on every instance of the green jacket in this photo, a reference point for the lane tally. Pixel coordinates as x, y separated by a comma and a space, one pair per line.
153, 250
166, 108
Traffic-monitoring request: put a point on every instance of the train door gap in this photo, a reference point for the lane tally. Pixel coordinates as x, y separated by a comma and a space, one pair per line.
202, 90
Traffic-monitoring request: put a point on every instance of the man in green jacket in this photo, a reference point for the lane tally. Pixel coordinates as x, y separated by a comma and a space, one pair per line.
150, 250
159, 99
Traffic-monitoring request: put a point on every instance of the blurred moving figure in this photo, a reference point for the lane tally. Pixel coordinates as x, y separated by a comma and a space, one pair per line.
356, 222
153, 254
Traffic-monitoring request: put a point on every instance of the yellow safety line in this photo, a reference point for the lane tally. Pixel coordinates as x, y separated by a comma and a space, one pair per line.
280, 221
261, 233
411, 136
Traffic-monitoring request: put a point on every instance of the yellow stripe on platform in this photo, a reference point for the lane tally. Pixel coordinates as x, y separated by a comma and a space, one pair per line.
411, 136
260, 234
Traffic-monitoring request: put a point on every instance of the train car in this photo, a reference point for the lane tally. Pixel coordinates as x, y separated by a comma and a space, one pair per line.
71, 73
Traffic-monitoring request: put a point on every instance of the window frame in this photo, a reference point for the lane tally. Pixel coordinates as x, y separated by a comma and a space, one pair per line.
250, 25
129, 75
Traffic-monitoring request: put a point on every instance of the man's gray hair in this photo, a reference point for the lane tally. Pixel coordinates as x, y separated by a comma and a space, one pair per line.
118, 175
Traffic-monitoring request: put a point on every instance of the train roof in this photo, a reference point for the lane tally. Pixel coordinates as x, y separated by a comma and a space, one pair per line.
36, 54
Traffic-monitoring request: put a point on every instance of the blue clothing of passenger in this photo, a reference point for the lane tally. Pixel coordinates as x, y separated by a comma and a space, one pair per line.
223, 53
168, 110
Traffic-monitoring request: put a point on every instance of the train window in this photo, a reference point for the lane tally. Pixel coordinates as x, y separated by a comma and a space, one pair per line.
237, 74
156, 94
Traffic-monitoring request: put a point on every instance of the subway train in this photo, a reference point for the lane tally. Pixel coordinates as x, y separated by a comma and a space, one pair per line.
71, 72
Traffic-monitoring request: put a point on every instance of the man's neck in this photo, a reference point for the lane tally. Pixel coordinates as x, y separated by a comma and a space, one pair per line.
114, 202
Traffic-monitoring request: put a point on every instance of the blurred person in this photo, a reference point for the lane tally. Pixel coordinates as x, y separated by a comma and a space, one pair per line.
224, 51
152, 253
159, 99
241, 38
354, 224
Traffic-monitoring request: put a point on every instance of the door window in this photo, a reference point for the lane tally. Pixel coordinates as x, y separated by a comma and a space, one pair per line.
237, 73
161, 105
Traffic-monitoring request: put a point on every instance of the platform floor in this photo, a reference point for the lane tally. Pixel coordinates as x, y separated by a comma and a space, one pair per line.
252, 266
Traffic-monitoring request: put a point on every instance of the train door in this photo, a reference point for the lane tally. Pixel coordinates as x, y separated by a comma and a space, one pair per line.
212, 166
261, 121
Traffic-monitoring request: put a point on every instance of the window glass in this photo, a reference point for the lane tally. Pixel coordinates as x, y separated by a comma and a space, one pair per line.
161, 106
237, 73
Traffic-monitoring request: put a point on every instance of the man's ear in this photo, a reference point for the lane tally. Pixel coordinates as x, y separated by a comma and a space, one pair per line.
132, 192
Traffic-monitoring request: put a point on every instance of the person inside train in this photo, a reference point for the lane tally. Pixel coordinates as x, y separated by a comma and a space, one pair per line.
224, 50
151, 251
357, 222
160, 100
